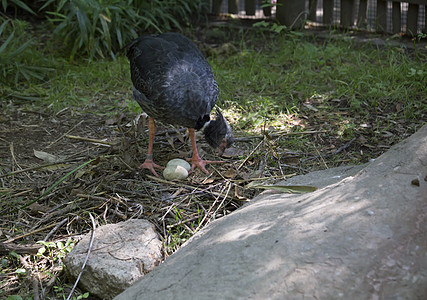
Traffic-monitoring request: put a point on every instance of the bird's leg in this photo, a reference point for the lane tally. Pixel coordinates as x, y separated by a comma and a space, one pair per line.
148, 163
196, 161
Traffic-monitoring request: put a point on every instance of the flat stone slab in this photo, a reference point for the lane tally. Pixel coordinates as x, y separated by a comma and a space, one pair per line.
121, 253
359, 236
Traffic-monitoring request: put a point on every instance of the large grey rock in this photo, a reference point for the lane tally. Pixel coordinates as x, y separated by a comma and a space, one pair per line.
362, 237
121, 253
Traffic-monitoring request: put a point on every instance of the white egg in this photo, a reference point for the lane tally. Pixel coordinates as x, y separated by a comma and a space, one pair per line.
172, 172
179, 162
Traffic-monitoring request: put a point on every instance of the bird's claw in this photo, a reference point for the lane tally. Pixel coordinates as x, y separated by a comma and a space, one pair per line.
150, 165
200, 163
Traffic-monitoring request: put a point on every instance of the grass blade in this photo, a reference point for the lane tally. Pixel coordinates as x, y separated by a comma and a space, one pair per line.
20, 49
3, 25
23, 6
2, 47
82, 20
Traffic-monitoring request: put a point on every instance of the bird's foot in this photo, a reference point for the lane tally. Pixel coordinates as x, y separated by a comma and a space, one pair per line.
148, 164
200, 163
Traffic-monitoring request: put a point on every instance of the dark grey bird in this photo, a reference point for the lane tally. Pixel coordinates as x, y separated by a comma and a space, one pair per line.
174, 83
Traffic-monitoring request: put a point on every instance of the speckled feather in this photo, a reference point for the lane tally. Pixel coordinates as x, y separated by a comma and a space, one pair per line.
173, 82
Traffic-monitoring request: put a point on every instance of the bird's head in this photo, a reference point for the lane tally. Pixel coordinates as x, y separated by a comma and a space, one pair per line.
218, 133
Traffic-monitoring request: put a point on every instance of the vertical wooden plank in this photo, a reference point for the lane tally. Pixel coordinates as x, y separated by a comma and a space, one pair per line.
216, 6
233, 6
347, 13
411, 22
266, 7
425, 18
396, 17
291, 13
328, 11
381, 15
250, 7
362, 20
312, 10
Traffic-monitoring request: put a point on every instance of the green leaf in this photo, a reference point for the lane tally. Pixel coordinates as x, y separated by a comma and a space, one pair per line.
106, 31
261, 24
4, 263
14, 254
41, 251
21, 271
14, 297
23, 6
119, 37
81, 18
3, 25
46, 4
3, 46
20, 49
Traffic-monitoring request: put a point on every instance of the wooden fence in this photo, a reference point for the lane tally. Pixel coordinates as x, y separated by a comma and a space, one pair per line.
396, 16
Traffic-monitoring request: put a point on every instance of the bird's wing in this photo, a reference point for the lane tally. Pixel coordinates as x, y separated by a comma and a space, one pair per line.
176, 80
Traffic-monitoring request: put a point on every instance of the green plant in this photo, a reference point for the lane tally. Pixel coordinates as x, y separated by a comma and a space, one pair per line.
95, 27
17, 3
170, 14
55, 251
19, 60
102, 27
274, 27
14, 297
180, 233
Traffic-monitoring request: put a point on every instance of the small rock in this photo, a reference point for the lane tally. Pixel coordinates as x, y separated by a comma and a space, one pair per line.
121, 254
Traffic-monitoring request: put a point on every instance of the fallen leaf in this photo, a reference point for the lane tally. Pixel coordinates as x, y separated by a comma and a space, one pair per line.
170, 140
208, 180
36, 209
47, 157
230, 173
114, 120
310, 107
56, 167
233, 152
387, 134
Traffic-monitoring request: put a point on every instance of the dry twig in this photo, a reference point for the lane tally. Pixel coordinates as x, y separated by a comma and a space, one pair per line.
86, 258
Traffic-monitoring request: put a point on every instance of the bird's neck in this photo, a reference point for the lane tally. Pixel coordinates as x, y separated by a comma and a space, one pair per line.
202, 122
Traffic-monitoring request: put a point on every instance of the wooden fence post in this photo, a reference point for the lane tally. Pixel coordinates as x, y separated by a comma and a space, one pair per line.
266, 7
328, 12
233, 7
362, 21
312, 15
250, 7
412, 19
291, 13
381, 15
425, 19
216, 6
347, 16
396, 17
